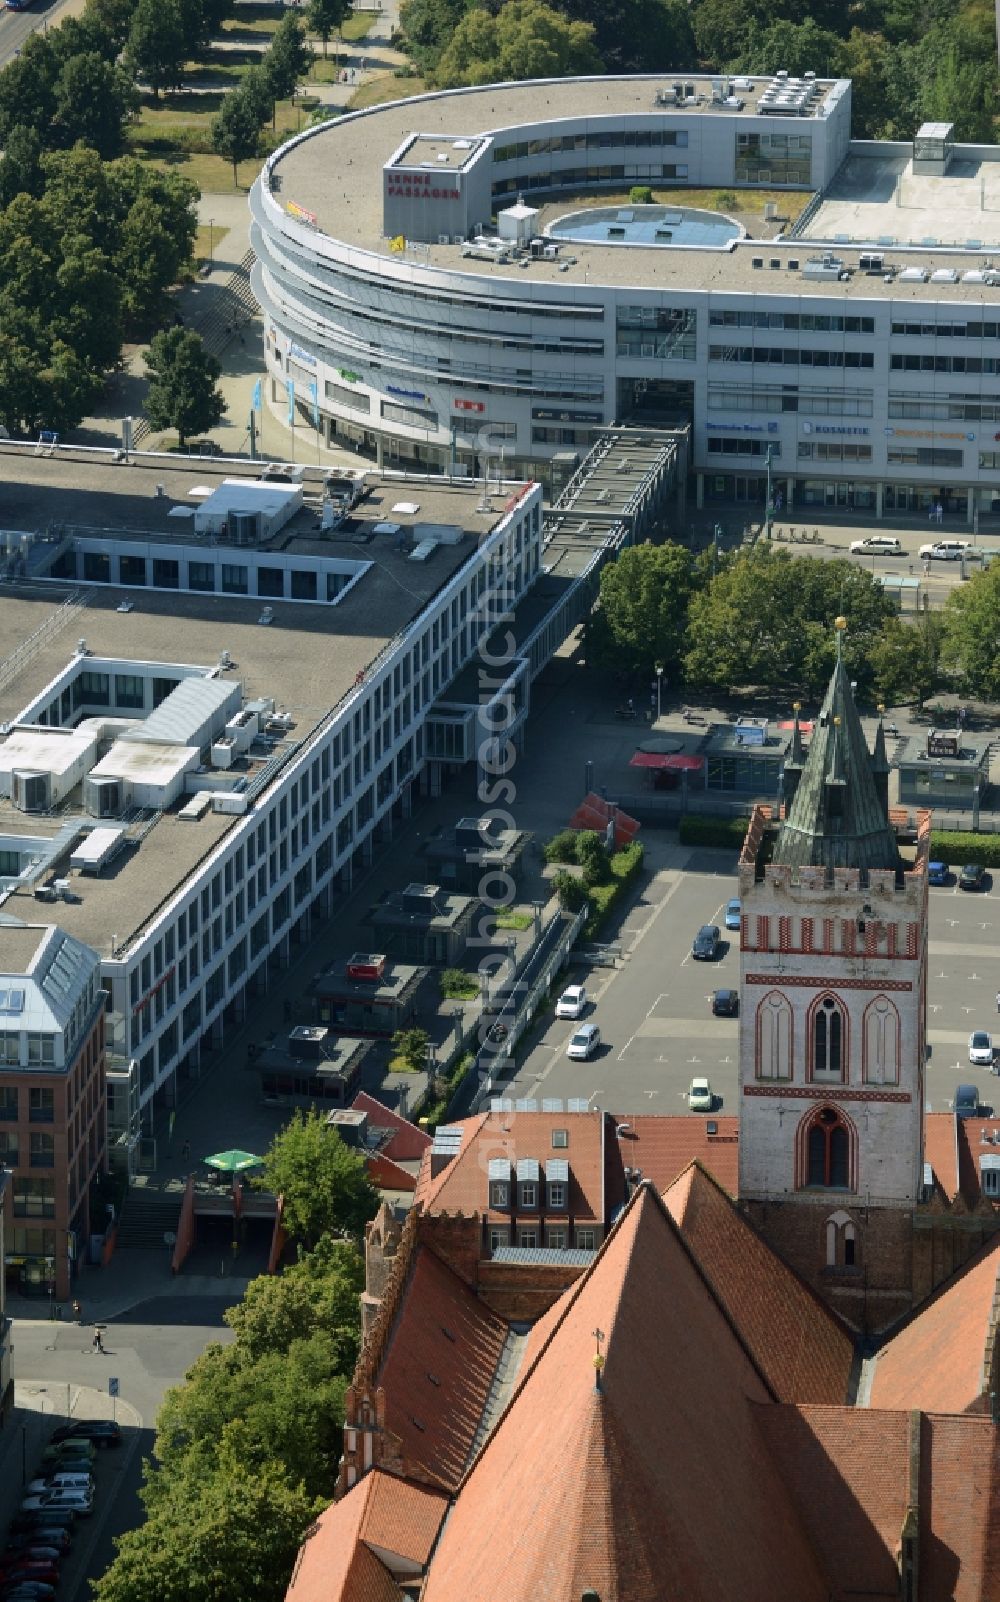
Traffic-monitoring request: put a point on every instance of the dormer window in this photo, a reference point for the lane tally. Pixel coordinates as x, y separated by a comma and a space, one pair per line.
557, 1198
499, 1193
528, 1194
527, 1182
557, 1184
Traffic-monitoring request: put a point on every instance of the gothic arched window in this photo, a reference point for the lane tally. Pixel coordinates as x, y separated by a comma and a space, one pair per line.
829, 1042
828, 1152
841, 1242
881, 1042
774, 1037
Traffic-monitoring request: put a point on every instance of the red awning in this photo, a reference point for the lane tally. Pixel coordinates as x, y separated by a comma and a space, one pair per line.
650, 759
684, 764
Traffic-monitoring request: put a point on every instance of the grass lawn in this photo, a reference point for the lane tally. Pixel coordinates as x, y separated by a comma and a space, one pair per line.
212, 174
207, 240
745, 202
380, 91
514, 920
358, 26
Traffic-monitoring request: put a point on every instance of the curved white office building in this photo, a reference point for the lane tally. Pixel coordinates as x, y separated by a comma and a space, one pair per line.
442, 285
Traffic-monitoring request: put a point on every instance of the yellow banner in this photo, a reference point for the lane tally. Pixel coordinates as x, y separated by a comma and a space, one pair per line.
398, 244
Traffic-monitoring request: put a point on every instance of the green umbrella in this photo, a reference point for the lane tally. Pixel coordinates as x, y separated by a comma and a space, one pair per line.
233, 1162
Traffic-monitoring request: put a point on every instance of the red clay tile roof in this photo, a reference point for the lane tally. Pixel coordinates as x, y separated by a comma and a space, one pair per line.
941, 1152
401, 1518
662, 1145
937, 1360
969, 1134
438, 1369
848, 1470
408, 1142
805, 1354
463, 1186
657, 1487
334, 1565
959, 1510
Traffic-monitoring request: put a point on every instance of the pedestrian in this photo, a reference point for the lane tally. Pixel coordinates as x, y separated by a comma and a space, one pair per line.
186, 1151
998, 1001
98, 1342
940, 512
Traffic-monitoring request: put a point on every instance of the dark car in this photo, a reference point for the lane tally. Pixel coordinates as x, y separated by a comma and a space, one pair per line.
937, 873
705, 947
726, 1003
972, 876
41, 1521
99, 1430
966, 1101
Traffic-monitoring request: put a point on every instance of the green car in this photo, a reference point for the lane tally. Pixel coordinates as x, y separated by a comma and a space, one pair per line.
76, 1447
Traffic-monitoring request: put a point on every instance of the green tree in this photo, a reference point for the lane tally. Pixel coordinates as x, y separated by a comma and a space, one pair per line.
236, 130
970, 648
527, 39
326, 1186
182, 392
156, 44
906, 658
570, 889
94, 99
412, 1045
21, 165
27, 89
87, 314
113, 16
324, 17
288, 57
236, 1531
256, 88
318, 1293
427, 25
155, 224
643, 608
798, 47
637, 35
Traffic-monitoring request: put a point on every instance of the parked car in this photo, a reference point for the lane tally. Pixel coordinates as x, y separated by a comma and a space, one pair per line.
99, 1430
972, 877
944, 550
726, 1003
29, 1591
76, 1446
966, 1101
981, 1048
572, 1003
40, 1521
733, 916
53, 1541
705, 947
584, 1043
62, 1481
938, 873
78, 1502
44, 1571
700, 1098
877, 545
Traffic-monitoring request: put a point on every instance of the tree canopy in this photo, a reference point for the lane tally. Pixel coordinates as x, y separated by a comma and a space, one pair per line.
325, 1184
642, 616
526, 39
971, 644
182, 393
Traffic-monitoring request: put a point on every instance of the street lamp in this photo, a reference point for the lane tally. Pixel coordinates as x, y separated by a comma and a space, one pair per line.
767, 463
659, 688
716, 535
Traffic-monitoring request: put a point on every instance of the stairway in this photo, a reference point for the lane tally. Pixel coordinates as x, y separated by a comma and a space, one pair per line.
146, 1217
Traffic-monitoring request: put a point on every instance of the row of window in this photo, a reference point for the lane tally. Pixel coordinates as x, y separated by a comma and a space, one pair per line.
791, 356
41, 1149
828, 1029
557, 1237
927, 330
946, 408
40, 1103
583, 177
918, 363
771, 398
739, 445
805, 322
603, 139
527, 1191
833, 451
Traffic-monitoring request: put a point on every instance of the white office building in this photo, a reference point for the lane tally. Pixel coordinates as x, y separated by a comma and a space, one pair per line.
434, 285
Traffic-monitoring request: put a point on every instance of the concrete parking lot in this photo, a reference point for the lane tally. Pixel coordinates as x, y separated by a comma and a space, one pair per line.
654, 1008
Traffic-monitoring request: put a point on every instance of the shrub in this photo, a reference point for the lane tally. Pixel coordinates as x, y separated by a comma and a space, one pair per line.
592, 857
958, 846
457, 985
725, 200
562, 847
570, 890
624, 866
640, 195
697, 829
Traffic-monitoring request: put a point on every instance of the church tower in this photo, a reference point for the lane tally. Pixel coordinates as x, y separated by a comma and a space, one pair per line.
832, 1019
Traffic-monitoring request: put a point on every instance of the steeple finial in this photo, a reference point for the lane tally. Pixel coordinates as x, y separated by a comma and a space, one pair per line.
599, 1358
840, 624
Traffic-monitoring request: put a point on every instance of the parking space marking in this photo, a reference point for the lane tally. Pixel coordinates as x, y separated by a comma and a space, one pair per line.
661, 997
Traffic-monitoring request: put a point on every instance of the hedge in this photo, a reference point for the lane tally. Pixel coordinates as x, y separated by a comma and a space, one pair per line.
957, 846
696, 828
625, 864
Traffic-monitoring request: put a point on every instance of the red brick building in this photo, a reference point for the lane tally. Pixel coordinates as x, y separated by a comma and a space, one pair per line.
52, 1101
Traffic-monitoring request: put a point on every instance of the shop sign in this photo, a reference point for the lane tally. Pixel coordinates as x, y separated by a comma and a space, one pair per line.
743, 428
348, 376
300, 212
408, 394
928, 433
468, 405
414, 187
547, 414
841, 429
301, 355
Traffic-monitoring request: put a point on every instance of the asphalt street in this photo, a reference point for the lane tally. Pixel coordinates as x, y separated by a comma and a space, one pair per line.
148, 1349
654, 1008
